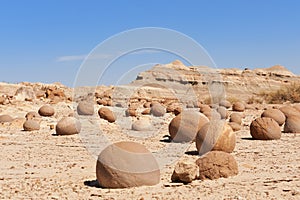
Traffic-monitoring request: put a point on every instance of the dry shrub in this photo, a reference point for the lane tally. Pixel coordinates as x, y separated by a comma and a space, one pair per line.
289, 93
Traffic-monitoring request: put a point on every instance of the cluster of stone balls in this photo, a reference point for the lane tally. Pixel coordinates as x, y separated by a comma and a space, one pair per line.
129, 164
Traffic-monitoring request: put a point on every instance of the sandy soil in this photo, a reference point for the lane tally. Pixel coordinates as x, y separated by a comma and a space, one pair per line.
39, 165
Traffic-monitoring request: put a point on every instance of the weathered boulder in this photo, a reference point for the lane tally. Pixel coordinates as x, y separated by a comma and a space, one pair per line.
46, 111
107, 114
235, 126
265, 129
216, 135
238, 106
225, 104
289, 110
217, 164
142, 125
275, 114
184, 127
85, 108
31, 125
236, 117
185, 172
158, 110
292, 124
68, 126
127, 164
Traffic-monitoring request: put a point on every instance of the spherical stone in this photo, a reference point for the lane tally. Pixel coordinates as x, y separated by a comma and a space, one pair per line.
236, 117
184, 127
217, 164
46, 111
216, 135
238, 106
142, 125
158, 110
85, 108
131, 112
127, 164
5, 118
107, 114
68, 126
292, 124
235, 126
225, 104
212, 115
275, 114
32, 115
223, 112
31, 125
147, 105
289, 110
185, 172
265, 129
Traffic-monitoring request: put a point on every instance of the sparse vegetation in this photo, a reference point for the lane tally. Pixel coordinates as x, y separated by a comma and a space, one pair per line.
289, 93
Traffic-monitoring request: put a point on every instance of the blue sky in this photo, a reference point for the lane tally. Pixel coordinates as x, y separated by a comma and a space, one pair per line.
46, 41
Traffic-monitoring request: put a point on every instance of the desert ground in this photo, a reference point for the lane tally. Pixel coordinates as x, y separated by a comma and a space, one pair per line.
41, 165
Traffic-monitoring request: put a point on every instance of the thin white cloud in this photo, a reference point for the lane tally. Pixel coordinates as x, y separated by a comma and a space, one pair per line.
82, 57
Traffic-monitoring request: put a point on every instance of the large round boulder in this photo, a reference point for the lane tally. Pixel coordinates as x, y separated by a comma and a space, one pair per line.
223, 112
289, 110
184, 127
32, 115
236, 117
158, 110
107, 114
142, 125
5, 118
235, 126
85, 108
127, 164
68, 126
225, 104
292, 124
265, 129
31, 125
275, 114
216, 135
238, 106
46, 111
217, 164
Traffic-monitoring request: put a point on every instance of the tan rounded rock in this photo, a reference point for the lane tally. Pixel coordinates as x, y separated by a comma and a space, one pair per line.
212, 115
275, 114
68, 126
292, 124
46, 111
225, 104
85, 108
131, 112
236, 117
32, 115
185, 172
107, 114
223, 112
125, 165
217, 164
238, 107
184, 127
5, 118
289, 110
142, 125
31, 125
158, 110
235, 126
216, 135
265, 129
